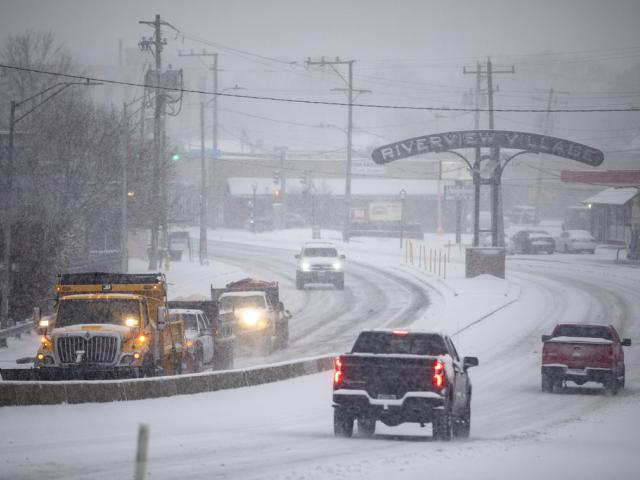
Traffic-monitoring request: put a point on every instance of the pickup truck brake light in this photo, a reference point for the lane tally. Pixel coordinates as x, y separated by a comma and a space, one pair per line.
338, 373
438, 374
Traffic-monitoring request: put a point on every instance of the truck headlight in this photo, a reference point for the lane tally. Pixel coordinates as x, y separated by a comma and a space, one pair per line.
305, 266
131, 322
337, 265
250, 317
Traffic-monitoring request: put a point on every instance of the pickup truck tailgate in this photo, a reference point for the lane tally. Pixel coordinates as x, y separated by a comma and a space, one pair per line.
578, 354
387, 376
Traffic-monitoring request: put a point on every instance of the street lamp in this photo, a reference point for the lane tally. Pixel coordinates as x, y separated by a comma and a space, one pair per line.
254, 187
347, 186
403, 196
125, 193
214, 103
5, 283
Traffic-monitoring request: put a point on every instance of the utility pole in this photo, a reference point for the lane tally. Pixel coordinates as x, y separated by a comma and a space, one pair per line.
439, 229
124, 238
214, 132
552, 99
497, 227
282, 155
476, 163
203, 193
346, 232
156, 44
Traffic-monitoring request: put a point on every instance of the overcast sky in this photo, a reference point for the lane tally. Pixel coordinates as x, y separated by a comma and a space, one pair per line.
407, 52
363, 29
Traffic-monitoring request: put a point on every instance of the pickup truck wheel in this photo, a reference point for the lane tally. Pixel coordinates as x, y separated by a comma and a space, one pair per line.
340, 284
282, 332
198, 362
222, 357
547, 384
342, 423
264, 344
299, 283
148, 367
442, 428
462, 424
366, 427
612, 385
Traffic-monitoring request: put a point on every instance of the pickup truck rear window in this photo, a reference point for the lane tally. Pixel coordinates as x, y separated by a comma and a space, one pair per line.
582, 331
388, 343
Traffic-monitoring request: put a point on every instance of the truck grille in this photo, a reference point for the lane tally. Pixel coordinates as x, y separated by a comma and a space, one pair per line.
321, 268
97, 349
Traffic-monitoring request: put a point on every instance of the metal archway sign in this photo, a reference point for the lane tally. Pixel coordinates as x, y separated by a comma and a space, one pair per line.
529, 142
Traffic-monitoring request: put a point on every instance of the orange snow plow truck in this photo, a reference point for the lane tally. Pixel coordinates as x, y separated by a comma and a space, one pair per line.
106, 326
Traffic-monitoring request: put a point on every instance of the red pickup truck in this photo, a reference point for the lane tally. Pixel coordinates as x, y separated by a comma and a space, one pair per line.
583, 353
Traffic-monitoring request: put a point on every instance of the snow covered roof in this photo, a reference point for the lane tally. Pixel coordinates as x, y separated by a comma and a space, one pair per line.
363, 187
613, 196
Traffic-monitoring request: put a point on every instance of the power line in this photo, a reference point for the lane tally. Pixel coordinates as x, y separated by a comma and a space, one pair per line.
318, 102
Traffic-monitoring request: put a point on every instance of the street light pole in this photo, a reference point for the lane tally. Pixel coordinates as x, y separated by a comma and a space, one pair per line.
403, 196
254, 186
202, 252
5, 279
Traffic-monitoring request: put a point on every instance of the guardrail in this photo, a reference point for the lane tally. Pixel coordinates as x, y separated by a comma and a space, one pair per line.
50, 393
15, 331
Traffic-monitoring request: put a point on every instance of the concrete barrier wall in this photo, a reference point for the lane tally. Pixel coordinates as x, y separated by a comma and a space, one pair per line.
73, 392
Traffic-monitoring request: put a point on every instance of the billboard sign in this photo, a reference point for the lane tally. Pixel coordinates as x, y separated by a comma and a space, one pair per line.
385, 211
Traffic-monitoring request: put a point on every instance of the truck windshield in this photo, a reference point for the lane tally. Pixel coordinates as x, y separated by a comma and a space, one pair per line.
189, 319
583, 331
320, 252
412, 344
94, 311
250, 301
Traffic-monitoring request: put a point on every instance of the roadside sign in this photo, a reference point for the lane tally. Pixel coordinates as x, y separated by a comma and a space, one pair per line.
458, 192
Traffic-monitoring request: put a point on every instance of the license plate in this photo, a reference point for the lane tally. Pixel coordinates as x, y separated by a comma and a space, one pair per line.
386, 396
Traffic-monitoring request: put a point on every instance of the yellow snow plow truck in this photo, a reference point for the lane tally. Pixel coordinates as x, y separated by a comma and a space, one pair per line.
106, 325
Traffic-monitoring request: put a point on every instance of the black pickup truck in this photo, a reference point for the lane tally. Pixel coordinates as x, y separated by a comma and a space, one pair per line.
398, 376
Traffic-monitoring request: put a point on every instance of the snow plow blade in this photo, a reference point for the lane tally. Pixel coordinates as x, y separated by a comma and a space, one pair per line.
57, 373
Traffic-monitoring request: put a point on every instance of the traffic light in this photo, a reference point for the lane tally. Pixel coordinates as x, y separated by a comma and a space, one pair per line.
276, 177
175, 157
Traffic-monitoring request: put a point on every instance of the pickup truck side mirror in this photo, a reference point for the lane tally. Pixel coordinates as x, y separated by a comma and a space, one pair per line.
546, 338
297, 255
626, 342
162, 317
468, 362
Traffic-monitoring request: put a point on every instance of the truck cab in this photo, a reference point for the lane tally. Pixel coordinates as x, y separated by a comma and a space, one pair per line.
109, 325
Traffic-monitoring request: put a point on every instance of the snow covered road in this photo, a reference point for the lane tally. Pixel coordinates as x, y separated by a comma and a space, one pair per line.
284, 430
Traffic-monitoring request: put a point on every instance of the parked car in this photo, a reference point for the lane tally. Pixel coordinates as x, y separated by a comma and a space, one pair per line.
294, 220
575, 241
583, 353
319, 262
533, 241
485, 241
